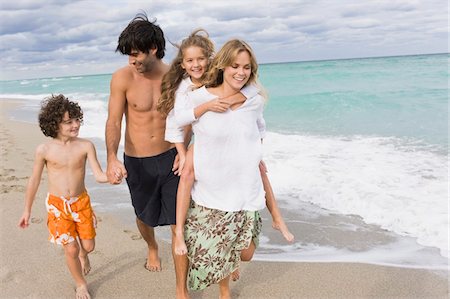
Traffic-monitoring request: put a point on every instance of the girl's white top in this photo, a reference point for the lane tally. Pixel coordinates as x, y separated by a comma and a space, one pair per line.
227, 153
174, 132
183, 112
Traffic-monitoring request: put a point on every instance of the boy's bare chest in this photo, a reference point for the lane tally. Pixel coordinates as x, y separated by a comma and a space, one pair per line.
65, 159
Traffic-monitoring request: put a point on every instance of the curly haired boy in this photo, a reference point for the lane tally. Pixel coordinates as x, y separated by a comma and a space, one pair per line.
71, 220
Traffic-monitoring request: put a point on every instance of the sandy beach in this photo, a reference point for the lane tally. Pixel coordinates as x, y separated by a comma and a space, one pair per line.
31, 267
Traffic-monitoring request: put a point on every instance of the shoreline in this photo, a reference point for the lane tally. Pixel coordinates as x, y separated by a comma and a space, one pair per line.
119, 256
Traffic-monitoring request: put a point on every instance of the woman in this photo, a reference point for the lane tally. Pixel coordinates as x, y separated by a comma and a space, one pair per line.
223, 222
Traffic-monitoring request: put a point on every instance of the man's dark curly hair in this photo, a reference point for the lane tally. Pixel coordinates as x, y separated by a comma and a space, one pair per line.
52, 113
143, 35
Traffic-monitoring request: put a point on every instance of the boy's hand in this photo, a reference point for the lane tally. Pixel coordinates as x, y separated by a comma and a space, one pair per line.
94, 218
24, 220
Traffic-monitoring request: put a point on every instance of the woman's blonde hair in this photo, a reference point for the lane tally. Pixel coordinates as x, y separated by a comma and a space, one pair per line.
172, 79
225, 57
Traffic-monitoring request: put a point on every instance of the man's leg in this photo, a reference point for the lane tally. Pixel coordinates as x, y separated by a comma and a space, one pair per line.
153, 262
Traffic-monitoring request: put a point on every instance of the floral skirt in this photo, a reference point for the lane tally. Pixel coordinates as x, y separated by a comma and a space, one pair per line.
214, 240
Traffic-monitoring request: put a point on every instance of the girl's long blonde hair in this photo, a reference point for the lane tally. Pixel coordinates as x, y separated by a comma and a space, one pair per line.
172, 79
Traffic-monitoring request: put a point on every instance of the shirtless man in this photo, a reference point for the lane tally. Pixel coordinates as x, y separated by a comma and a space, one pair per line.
148, 159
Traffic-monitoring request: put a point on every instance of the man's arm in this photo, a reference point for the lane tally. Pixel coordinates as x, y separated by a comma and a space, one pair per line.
115, 170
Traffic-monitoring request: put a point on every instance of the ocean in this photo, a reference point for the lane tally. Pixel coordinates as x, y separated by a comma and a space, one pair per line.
357, 154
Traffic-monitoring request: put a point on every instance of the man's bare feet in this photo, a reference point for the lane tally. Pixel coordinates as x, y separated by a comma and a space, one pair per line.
81, 292
153, 263
235, 275
85, 264
281, 226
180, 245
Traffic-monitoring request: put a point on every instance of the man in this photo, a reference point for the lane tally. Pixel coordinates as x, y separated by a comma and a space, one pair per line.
148, 158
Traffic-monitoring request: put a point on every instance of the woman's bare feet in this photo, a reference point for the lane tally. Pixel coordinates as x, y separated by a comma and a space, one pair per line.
81, 292
281, 226
85, 264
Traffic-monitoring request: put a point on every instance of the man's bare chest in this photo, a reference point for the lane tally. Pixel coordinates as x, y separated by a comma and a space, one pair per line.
143, 99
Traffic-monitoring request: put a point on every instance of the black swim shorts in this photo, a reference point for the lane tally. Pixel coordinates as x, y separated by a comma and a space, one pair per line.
153, 187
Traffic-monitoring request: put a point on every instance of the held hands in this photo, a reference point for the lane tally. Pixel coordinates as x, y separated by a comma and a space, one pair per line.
116, 172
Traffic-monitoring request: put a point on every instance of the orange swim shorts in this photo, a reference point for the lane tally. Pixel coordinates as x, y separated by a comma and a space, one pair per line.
69, 218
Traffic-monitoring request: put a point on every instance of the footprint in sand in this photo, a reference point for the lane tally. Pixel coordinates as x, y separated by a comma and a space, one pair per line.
9, 188
36, 220
133, 236
6, 172
17, 188
10, 178
15, 276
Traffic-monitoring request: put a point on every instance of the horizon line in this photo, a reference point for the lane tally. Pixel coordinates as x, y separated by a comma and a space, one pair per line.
266, 63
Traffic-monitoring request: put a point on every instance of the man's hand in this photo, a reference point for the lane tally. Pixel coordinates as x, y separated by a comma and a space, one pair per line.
116, 172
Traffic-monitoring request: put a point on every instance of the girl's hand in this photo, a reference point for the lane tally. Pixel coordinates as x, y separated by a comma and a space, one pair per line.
218, 105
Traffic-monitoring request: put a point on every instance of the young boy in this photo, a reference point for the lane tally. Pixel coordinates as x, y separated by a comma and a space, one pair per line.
71, 220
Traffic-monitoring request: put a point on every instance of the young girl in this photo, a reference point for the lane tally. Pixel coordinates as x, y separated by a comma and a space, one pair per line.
186, 73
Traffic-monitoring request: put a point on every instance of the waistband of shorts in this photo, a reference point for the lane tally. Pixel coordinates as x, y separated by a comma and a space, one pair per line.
172, 151
73, 198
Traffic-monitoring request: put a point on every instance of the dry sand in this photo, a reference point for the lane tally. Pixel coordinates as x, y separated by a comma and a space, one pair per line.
31, 267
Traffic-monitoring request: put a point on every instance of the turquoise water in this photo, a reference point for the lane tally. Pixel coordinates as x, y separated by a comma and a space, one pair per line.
365, 137
393, 96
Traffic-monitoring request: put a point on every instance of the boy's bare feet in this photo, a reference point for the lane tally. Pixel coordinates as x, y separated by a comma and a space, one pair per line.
281, 226
153, 263
180, 245
82, 292
85, 264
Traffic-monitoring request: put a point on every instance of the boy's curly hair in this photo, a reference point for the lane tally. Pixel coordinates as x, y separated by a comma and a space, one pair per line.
52, 113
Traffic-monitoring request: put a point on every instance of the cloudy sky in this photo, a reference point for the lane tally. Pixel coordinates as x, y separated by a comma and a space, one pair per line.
68, 37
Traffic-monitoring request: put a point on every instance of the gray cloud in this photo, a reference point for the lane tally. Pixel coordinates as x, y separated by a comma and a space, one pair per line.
50, 38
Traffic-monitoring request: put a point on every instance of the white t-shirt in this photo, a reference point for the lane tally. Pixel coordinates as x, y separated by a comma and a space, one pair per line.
227, 153
183, 112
